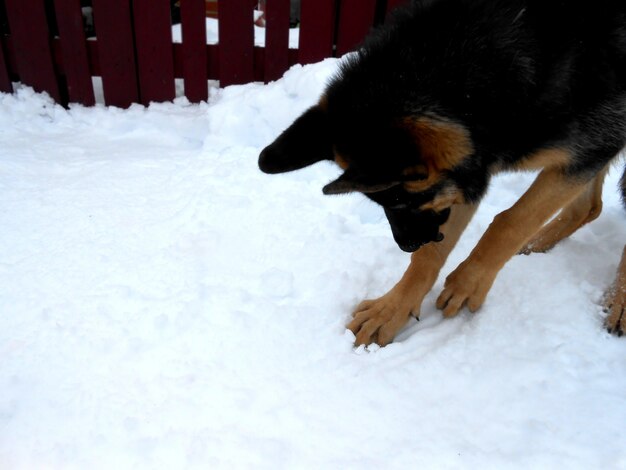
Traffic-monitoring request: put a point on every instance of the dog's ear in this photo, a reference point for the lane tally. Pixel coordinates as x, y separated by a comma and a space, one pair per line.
305, 142
351, 181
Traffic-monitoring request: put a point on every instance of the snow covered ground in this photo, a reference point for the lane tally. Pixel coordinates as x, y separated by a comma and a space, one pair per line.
165, 305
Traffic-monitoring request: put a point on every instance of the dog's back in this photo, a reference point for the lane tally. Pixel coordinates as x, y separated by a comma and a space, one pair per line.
517, 73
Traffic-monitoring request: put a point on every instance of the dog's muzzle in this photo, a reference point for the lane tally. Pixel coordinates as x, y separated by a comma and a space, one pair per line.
412, 229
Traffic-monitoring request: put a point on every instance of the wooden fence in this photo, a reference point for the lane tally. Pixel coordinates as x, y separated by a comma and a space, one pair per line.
43, 45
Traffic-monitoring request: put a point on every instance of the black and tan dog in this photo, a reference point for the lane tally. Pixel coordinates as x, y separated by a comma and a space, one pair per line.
450, 93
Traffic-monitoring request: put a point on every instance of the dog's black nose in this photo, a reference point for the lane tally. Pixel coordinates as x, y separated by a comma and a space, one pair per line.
410, 247
414, 246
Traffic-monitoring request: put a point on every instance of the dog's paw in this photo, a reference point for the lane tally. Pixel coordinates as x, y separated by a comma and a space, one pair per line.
538, 245
378, 321
466, 285
615, 306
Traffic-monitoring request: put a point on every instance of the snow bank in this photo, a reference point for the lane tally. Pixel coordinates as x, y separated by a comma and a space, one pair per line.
163, 304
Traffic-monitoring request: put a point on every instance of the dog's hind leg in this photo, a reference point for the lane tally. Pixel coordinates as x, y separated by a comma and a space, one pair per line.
378, 321
582, 210
615, 297
615, 301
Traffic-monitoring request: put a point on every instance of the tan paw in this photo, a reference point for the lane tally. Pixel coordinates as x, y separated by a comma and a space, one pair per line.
615, 304
378, 321
466, 285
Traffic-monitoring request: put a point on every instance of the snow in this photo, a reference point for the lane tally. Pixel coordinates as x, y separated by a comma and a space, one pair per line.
165, 305
212, 32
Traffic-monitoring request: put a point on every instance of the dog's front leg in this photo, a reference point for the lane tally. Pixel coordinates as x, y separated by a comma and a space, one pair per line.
378, 321
469, 283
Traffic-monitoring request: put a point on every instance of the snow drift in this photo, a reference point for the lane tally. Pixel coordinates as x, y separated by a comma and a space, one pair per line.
164, 304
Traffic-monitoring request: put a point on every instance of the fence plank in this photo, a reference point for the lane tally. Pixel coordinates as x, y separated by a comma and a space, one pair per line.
356, 19
31, 45
153, 45
74, 50
236, 42
194, 51
94, 59
317, 30
276, 38
116, 51
5, 80
213, 65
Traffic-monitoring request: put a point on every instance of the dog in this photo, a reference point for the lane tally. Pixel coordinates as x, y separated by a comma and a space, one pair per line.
449, 93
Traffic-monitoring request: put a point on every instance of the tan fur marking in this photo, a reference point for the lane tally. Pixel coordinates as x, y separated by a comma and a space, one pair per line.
444, 199
424, 178
419, 171
443, 145
339, 160
545, 158
323, 103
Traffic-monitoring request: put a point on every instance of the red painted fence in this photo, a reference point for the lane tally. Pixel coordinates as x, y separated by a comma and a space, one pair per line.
43, 45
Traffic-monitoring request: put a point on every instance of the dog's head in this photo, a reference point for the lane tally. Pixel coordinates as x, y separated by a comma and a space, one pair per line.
407, 165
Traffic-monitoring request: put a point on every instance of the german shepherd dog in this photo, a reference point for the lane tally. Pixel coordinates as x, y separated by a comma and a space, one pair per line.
449, 93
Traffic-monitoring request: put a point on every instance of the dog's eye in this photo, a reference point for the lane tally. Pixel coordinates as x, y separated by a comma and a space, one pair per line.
398, 202
414, 178
398, 206
415, 173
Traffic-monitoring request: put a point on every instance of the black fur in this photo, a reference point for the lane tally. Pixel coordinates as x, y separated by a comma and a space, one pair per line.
519, 75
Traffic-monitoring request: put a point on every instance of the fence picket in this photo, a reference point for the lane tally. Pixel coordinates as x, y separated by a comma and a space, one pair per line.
5, 79
153, 45
213, 65
30, 37
317, 30
74, 50
236, 42
356, 18
194, 49
116, 51
276, 39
